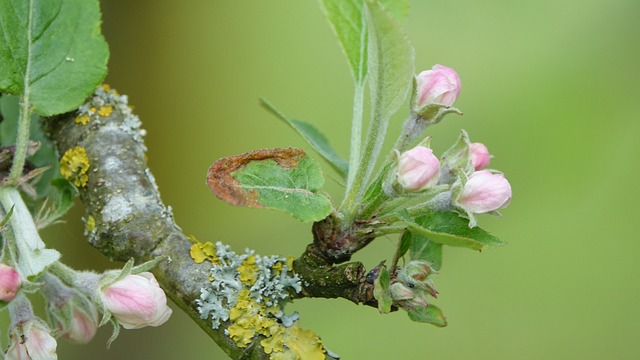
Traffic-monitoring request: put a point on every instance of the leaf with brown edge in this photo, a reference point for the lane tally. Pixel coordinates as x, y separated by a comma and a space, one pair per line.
282, 179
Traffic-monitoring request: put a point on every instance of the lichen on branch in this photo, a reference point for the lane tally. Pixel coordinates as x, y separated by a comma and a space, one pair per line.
127, 219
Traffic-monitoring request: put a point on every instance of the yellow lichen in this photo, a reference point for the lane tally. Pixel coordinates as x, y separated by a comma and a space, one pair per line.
90, 224
92, 110
284, 355
74, 165
241, 335
105, 110
248, 271
106, 87
300, 344
83, 119
277, 267
200, 252
274, 342
250, 318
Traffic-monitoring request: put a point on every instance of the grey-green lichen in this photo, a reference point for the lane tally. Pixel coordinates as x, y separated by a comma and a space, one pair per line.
249, 291
104, 101
268, 279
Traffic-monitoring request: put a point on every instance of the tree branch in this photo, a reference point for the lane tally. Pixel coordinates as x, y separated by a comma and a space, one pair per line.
132, 222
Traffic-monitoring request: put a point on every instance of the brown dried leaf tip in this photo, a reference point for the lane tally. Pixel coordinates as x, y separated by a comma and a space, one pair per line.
221, 181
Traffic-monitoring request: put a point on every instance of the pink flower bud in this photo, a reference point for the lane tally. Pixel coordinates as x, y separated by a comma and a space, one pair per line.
418, 169
9, 282
31, 341
479, 155
137, 301
439, 85
485, 192
82, 327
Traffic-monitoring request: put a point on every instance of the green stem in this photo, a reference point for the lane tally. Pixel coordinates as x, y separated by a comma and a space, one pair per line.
22, 140
65, 273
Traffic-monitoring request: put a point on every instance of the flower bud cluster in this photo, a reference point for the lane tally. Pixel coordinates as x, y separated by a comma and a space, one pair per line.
413, 284
484, 191
133, 300
457, 181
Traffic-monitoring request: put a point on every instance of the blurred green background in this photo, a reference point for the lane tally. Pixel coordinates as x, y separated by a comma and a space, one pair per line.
551, 87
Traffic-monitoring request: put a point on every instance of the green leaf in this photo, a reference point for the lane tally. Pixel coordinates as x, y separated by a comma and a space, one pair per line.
424, 249
406, 241
398, 8
46, 154
57, 204
349, 23
430, 314
391, 66
390, 62
448, 228
282, 179
6, 217
381, 291
313, 137
52, 52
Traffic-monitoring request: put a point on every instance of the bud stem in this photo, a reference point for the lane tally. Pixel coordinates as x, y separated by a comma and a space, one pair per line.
20, 309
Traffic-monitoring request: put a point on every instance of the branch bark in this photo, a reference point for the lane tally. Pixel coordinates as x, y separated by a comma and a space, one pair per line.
132, 222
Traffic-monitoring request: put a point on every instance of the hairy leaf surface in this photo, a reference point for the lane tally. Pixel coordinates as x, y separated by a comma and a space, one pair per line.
52, 52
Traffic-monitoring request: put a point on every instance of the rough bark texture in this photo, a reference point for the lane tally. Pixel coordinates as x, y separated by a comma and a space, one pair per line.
132, 222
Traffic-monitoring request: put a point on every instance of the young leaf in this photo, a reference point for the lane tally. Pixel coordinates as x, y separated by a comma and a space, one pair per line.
34, 256
398, 8
447, 228
52, 52
424, 249
313, 137
430, 314
282, 179
391, 66
390, 61
406, 243
6, 218
349, 23
381, 291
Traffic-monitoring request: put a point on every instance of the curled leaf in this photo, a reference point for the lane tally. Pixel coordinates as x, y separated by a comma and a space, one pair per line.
282, 179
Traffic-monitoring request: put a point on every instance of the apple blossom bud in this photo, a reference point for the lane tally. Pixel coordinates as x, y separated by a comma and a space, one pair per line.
418, 169
82, 327
479, 155
440, 85
484, 192
69, 310
9, 282
31, 340
136, 301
